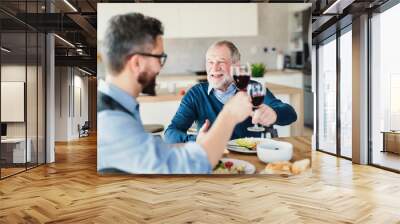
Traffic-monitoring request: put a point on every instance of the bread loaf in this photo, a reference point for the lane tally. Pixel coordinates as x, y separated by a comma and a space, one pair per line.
286, 167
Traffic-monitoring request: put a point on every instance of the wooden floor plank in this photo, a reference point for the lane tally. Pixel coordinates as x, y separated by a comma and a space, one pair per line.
71, 191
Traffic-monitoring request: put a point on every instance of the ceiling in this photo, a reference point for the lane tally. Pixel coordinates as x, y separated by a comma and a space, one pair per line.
77, 23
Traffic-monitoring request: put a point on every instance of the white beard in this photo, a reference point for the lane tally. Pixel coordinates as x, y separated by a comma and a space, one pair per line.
223, 83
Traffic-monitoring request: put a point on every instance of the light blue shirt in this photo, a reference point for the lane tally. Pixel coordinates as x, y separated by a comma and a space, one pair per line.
123, 143
222, 96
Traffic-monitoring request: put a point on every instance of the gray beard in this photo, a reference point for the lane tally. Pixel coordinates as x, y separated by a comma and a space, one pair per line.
225, 82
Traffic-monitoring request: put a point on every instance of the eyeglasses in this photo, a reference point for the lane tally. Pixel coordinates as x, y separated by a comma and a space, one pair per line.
162, 57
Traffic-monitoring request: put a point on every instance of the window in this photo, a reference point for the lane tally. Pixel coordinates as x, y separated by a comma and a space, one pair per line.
327, 97
346, 94
22, 69
385, 89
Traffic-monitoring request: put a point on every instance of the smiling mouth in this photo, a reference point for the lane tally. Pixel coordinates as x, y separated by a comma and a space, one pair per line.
217, 75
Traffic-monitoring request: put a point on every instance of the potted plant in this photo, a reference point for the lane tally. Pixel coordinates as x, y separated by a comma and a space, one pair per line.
257, 70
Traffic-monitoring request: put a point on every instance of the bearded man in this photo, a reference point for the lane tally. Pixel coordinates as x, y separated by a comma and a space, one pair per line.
204, 101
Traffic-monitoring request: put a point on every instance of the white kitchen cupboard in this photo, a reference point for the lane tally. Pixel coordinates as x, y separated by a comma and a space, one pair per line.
292, 79
190, 20
218, 20
158, 112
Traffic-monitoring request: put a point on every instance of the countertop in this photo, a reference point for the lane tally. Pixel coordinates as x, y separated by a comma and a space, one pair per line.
283, 72
274, 88
160, 98
192, 76
180, 77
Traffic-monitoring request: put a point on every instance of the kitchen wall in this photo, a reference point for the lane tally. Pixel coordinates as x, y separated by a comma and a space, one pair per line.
186, 54
189, 54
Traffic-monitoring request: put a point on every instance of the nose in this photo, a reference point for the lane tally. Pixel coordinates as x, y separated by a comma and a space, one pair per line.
215, 66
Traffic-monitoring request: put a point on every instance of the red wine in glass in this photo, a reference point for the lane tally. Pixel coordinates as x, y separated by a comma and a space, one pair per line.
241, 75
241, 81
257, 100
257, 93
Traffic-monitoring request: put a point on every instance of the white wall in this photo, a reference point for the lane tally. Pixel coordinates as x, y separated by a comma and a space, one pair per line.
61, 103
70, 84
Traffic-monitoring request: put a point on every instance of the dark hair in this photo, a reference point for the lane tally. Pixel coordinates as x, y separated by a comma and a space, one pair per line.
126, 34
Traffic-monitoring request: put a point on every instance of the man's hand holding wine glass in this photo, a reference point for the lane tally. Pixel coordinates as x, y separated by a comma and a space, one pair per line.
264, 115
238, 107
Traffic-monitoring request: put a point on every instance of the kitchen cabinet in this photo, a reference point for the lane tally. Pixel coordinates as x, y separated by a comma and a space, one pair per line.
190, 20
291, 78
295, 23
166, 82
218, 20
159, 112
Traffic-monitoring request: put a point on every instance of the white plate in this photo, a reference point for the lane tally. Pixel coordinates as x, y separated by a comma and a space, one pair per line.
234, 147
248, 167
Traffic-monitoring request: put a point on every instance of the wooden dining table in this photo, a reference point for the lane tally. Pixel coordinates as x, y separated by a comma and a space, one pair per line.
301, 150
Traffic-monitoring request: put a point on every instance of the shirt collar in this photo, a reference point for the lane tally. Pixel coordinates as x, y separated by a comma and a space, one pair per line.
119, 95
231, 88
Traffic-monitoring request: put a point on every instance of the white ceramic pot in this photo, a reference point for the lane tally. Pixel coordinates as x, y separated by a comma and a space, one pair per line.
271, 151
172, 87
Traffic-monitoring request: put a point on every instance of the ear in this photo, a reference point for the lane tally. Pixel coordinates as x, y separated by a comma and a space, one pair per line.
133, 64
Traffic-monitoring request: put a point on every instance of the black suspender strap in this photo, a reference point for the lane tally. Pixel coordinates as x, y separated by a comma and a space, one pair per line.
105, 102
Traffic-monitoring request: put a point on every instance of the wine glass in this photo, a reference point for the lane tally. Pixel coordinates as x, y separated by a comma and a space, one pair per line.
257, 93
241, 75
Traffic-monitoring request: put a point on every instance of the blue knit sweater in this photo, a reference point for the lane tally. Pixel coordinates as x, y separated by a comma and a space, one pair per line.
197, 106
